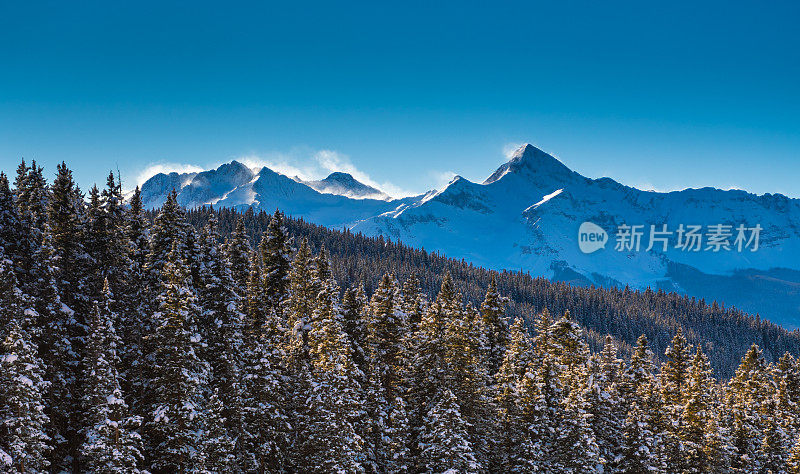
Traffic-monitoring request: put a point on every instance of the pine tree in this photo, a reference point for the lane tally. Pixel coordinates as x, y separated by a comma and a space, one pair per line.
704, 446
219, 451
674, 378
67, 224
336, 398
444, 442
387, 325
511, 431
264, 441
11, 233
427, 364
605, 402
169, 229
397, 436
492, 312
275, 251
237, 252
177, 374
133, 304
303, 288
413, 303
746, 403
575, 447
24, 444
112, 443
354, 321
642, 428
32, 201
221, 325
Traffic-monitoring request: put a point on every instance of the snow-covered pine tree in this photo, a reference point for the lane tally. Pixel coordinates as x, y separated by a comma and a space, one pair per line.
112, 443
134, 315
444, 443
354, 322
674, 378
467, 376
303, 291
774, 452
177, 375
336, 399
169, 229
511, 431
24, 444
427, 362
643, 426
264, 442
413, 303
275, 249
67, 223
605, 402
747, 396
387, 324
11, 233
575, 447
55, 324
218, 447
32, 201
237, 252
397, 431
705, 448
495, 326
786, 376
221, 325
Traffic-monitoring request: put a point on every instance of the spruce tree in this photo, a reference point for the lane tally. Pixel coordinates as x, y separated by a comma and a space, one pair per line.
746, 406
24, 444
178, 375
112, 443
444, 443
511, 430
264, 441
11, 231
494, 323
275, 248
218, 447
605, 402
336, 399
704, 446
237, 252
221, 325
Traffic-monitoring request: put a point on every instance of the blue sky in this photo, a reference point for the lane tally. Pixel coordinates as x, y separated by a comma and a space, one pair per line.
661, 95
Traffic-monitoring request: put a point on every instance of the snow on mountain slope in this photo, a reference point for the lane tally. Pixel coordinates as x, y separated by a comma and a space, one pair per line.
235, 185
343, 184
526, 216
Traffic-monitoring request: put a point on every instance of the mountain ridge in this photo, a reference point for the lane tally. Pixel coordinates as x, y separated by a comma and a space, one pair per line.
526, 215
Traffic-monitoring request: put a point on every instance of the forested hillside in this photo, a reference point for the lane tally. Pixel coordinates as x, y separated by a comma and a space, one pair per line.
725, 333
216, 342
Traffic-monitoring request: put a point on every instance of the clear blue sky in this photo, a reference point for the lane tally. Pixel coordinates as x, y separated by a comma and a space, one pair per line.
654, 94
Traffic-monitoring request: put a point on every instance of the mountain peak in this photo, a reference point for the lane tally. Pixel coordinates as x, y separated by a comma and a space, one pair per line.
344, 184
341, 177
531, 160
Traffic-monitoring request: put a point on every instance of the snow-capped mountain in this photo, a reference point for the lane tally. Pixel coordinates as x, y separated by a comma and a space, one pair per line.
526, 216
341, 201
343, 184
